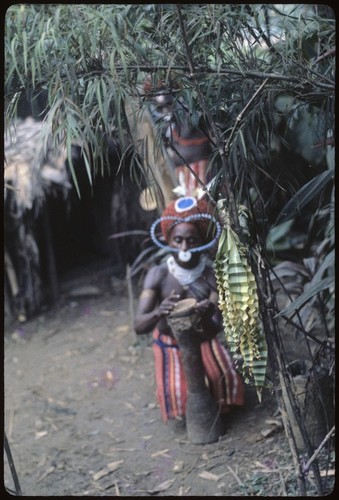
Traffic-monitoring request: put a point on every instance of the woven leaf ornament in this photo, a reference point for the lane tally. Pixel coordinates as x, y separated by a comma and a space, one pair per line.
238, 303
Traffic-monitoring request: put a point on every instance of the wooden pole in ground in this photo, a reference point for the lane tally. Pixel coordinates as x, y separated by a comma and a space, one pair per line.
130, 297
12, 466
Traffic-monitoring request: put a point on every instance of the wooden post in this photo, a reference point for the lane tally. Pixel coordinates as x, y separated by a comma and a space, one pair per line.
130, 297
51, 264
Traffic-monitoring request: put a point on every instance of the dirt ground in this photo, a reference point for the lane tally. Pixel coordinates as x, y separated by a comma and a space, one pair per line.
82, 419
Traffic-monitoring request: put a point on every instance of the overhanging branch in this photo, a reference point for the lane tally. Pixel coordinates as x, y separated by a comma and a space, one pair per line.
200, 70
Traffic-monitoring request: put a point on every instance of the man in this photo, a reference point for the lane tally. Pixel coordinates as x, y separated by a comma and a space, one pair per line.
189, 231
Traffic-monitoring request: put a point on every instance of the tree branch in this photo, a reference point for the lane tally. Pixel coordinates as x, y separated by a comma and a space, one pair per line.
201, 70
306, 467
240, 115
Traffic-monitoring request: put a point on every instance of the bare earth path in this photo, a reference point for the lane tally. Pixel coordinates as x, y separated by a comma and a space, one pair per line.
82, 419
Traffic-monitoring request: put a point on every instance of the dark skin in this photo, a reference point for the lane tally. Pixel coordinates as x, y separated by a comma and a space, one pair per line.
161, 291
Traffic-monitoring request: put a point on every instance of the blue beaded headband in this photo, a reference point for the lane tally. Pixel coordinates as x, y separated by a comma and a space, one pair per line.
179, 220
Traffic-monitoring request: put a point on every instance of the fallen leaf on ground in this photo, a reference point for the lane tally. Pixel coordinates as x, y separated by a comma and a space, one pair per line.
259, 464
40, 434
272, 421
162, 487
122, 328
208, 475
268, 432
151, 406
152, 420
266, 467
157, 453
182, 491
144, 473
235, 475
46, 473
111, 467
178, 466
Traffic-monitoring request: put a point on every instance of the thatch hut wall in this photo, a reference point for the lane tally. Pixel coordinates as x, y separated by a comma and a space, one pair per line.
50, 230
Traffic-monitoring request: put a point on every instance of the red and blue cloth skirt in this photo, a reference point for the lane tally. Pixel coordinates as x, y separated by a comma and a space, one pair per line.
221, 378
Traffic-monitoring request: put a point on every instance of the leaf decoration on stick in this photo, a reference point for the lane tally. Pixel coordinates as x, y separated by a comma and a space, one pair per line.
238, 303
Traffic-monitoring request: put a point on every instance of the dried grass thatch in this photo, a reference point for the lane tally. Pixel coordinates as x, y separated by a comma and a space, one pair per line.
31, 169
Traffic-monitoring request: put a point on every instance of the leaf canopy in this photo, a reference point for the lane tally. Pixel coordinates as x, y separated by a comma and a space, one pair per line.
229, 63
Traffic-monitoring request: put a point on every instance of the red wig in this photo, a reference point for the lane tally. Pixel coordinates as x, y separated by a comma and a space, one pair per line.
177, 209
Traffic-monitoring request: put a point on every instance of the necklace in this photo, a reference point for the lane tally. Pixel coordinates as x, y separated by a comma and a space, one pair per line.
186, 276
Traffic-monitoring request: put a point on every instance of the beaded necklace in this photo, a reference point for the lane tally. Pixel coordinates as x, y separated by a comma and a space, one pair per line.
186, 276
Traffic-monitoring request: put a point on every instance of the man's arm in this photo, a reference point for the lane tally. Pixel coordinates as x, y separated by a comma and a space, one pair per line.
150, 307
147, 315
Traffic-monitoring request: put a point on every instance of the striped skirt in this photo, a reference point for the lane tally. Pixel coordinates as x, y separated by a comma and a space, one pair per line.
221, 378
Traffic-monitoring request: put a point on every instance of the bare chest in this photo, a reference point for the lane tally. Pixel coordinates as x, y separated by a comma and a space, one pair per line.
170, 285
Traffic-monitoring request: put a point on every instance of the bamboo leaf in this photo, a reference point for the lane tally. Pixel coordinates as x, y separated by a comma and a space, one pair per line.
71, 166
278, 232
14, 51
88, 166
242, 141
305, 297
328, 263
304, 196
24, 49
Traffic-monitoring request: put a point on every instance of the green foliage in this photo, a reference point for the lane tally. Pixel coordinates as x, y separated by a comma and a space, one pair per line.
247, 69
89, 59
261, 76
296, 204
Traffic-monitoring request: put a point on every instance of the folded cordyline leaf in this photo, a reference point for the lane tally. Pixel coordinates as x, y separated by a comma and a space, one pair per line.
238, 303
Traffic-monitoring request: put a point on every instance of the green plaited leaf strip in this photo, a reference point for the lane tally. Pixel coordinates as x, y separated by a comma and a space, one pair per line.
238, 303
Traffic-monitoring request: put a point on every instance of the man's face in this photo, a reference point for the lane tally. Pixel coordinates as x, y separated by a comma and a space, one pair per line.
185, 236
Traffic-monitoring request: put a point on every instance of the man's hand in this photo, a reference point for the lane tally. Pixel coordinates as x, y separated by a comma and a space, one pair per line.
167, 305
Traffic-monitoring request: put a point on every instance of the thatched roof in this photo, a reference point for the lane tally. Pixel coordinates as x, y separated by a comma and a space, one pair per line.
30, 171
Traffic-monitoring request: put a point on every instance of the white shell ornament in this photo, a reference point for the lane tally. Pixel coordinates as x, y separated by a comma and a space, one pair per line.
184, 256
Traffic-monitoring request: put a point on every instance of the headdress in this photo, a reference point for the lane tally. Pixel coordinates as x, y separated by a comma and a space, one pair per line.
188, 209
